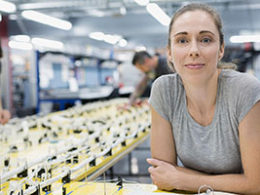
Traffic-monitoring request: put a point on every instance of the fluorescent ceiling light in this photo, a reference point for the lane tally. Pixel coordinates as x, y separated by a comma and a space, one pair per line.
112, 39
97, 36
245, 38
20, 45
47, 43
48, 20
7, 6
142, 2
12, 17
123, 10
257, 46
122, 43
158, 14
140, 48
20, 38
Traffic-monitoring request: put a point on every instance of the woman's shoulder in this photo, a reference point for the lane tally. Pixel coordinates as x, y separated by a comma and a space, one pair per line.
234, 74
168, 79
170, 86
239, 79
243, 89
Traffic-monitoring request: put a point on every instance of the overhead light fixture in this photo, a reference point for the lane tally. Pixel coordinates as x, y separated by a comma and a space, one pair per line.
12, 17
158, 14
142, 2
7, 7
257, 46
48, 20
112, 39
245, 38
140, 48
48, 43
20, 45
97, 36
20, 38
100, 36
122, 43
122, 10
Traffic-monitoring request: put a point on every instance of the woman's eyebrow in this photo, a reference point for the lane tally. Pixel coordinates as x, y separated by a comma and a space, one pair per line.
201, 32
206, 31
180, 33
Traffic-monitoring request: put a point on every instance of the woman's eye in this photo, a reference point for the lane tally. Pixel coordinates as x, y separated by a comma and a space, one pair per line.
182, 41
206, 40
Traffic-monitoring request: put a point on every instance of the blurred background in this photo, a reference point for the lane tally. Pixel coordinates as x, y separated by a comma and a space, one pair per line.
58, 53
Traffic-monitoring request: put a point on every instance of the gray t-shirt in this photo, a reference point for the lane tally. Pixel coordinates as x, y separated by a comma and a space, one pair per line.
214, 148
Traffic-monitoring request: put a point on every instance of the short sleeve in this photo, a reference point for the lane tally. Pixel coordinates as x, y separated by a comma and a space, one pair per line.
249, 95
157, 97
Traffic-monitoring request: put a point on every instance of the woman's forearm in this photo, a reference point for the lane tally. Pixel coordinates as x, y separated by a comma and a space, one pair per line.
189, 171
236, 183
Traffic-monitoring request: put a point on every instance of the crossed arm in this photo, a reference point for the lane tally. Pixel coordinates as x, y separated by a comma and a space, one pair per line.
167, 175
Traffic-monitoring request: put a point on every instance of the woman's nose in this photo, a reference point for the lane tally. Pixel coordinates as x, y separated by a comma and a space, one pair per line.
194, 50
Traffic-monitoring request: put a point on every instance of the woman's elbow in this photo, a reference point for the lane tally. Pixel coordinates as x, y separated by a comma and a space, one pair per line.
253, 188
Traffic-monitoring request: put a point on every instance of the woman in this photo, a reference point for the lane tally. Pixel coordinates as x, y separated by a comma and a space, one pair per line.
205, 116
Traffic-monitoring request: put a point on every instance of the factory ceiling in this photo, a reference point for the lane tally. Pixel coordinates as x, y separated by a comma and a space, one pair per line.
125, 18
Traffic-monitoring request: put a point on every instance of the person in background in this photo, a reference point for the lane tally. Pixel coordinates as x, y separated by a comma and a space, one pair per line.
4, 114
152, 67
205, 120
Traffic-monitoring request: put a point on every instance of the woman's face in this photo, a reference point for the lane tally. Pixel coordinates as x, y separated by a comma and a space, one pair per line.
195, 48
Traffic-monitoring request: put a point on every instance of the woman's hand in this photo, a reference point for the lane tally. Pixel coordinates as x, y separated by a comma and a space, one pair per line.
164, 175
4, 116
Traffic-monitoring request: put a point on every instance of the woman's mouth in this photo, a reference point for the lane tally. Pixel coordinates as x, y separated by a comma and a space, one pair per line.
194, 66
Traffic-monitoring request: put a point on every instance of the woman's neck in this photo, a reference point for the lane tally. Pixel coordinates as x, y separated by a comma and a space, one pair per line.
201, 98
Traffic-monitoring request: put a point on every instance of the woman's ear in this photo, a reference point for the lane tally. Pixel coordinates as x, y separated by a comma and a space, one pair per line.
169, 59
169, 55
221, 51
